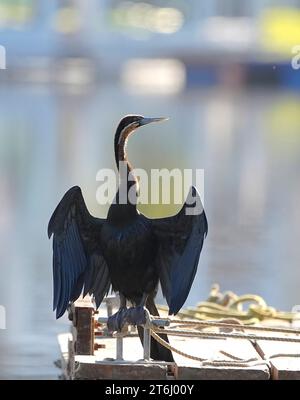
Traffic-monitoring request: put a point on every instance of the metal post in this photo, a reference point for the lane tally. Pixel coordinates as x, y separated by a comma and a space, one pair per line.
119, 338
147, 336
147, 343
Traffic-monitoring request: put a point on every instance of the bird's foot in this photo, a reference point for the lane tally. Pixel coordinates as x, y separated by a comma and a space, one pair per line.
131, 316
117, 321
138, 315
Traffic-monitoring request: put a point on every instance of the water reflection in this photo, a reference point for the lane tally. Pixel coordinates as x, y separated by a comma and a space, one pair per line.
247, 142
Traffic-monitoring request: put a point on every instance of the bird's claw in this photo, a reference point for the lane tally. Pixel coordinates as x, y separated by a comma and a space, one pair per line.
131, 316
117, 321
139, 315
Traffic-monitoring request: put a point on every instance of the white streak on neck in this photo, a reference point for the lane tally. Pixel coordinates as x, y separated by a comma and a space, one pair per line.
125, 132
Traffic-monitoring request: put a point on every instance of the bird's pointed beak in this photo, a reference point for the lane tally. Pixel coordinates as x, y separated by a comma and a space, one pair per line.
146, 121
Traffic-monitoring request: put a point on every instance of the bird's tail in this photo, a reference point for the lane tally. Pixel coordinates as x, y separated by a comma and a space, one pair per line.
158, 352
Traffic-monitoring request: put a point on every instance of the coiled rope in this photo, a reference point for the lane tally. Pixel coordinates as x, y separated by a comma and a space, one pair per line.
230, 305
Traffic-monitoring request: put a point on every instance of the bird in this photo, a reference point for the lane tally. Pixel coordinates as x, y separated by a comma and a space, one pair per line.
127, 252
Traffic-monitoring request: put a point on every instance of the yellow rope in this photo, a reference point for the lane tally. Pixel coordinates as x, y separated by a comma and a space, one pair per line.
238, 326
168, 346
229, 305
221, 335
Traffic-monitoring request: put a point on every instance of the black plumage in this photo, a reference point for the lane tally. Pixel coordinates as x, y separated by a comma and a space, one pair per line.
126, 251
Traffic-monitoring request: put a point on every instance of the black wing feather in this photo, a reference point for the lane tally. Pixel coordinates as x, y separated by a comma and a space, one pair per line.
97, 281
180, 241
76, 252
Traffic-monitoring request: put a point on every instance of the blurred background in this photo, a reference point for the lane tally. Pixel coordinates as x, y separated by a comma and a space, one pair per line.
221, 70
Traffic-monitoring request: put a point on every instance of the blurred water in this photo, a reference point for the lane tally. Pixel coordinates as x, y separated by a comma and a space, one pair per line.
52, 138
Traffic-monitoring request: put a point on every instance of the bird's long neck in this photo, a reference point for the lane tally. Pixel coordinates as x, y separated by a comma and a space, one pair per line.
128, 186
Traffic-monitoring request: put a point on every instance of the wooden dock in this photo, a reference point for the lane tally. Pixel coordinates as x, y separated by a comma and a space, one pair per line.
89, 352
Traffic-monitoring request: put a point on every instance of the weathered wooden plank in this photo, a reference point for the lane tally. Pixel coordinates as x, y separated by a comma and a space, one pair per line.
104, 366
283, 367
218, 351
88, 368
85, 363
99, 367
204, 348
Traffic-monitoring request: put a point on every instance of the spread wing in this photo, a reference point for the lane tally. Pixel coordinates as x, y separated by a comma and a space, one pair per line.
180, 240
77, 259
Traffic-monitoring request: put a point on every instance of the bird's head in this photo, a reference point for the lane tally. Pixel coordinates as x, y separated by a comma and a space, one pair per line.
128, 125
